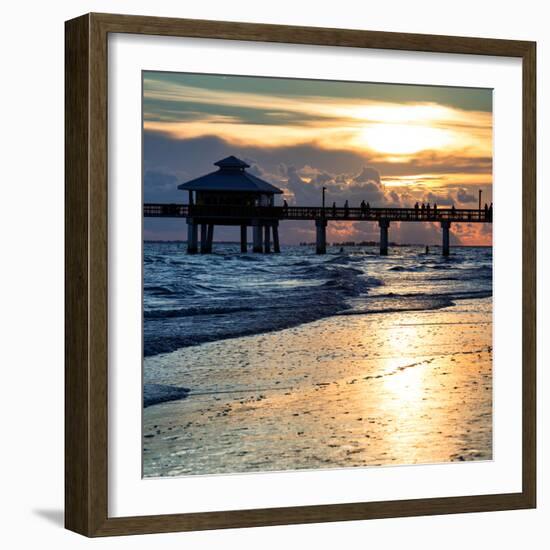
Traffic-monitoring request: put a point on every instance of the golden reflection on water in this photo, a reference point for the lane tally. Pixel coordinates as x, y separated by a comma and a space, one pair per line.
413, 363
406, 406
404, 389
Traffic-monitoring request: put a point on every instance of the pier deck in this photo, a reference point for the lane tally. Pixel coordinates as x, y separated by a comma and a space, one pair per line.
264, 219
469, 215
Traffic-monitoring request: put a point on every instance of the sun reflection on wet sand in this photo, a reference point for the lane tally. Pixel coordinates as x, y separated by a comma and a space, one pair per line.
346, 391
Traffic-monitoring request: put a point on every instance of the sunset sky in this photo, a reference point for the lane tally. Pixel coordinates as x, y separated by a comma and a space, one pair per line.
388, 144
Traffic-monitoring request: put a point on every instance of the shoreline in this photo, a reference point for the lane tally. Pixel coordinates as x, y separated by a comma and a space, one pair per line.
451, 300
342, 391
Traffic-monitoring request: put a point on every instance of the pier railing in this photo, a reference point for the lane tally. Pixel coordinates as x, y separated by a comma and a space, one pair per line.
159, 210
163, 210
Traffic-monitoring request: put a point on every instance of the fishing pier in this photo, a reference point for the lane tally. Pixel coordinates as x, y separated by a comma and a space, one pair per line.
232, 196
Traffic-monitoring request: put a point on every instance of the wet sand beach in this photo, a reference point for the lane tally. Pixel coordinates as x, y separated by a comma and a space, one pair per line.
344, 391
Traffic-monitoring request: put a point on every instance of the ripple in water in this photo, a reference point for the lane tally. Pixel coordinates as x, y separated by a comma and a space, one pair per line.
189, 300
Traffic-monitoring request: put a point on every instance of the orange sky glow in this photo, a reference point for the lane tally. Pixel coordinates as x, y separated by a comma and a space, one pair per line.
431, 148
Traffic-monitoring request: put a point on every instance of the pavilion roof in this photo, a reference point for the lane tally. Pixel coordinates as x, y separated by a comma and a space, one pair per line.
230, 176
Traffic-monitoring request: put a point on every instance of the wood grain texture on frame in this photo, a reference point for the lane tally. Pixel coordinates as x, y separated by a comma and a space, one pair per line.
86, 281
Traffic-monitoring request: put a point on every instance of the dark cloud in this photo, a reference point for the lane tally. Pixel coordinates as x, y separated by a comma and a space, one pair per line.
196, 156
439, 199
187, 158
305, 186
161, 187
430, 162
463, 196
254, 168
370, 192
322, 178
367, 174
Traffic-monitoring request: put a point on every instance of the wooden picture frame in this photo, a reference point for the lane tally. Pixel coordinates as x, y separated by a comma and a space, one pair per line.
86, 222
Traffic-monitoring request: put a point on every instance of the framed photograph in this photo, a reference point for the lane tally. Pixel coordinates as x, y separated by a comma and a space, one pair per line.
300, 275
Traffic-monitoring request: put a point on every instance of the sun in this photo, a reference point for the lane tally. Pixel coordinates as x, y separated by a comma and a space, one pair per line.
401, 139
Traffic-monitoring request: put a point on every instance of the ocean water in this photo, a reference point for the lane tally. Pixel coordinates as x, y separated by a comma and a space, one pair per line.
188, 300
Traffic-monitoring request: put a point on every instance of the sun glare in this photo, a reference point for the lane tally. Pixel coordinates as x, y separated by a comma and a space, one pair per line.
403, 114
400, 139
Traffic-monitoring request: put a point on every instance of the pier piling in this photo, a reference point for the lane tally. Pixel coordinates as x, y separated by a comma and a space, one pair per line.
321, 231
209, 238
192, 236
256, 236
204, 238
267, 240
276, 247
384, 226
445, 226
243, 239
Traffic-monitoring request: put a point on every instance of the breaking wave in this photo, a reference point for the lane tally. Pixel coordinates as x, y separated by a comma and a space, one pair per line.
189, 300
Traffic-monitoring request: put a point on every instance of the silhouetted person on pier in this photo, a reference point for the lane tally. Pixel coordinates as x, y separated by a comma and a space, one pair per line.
486, 210
435, 210
422, 209
363, 209
427, 249
491, 212
333, 209
368, 209
428, 210
346, 209
285, 207
416, 210
453, 210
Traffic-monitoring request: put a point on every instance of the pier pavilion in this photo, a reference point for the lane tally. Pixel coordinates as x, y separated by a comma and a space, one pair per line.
231, 196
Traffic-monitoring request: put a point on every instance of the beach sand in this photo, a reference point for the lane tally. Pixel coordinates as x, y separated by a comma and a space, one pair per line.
344, 391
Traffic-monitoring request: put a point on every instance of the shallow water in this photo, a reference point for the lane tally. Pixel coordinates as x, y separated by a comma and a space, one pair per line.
345, 391
298, 361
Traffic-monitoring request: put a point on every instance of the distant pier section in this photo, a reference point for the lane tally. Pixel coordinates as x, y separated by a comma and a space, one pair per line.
233, 196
